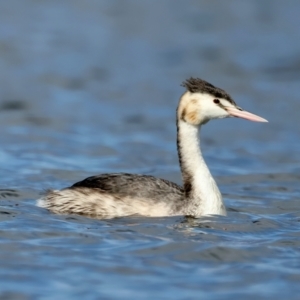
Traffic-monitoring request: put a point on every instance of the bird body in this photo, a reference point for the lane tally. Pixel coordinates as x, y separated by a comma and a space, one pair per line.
121, 194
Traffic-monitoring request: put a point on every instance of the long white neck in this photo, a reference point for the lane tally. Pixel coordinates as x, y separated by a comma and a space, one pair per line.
201, 191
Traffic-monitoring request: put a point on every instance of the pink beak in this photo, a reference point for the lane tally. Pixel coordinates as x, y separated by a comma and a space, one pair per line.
244, 115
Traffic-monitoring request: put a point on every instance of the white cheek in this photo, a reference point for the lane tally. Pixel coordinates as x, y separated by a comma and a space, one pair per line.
216, 112
223, 113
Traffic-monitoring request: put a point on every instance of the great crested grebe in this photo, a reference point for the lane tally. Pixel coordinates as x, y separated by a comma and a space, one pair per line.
120, 194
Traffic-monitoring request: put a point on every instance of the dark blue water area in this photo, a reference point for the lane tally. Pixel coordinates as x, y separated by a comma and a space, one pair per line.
92, 86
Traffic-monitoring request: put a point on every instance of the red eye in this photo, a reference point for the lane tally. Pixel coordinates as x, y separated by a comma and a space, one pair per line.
216, 101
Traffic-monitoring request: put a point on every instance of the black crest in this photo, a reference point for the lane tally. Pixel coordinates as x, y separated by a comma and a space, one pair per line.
197, 85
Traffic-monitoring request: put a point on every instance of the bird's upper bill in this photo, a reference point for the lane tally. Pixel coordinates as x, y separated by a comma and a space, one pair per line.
235, 112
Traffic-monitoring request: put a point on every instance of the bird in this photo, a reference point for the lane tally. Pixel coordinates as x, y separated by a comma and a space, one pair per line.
108, 196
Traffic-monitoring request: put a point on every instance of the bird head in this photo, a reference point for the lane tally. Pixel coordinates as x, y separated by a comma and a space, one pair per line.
203, 102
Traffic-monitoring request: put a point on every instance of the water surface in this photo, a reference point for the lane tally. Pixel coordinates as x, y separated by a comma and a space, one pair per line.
92, 87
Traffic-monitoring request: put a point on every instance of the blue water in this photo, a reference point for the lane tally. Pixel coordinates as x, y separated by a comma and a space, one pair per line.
92, 86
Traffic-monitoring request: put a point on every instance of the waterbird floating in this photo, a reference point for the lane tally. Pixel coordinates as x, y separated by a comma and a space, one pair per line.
121, 194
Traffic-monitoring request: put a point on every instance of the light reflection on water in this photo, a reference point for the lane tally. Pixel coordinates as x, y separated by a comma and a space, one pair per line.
92, 87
